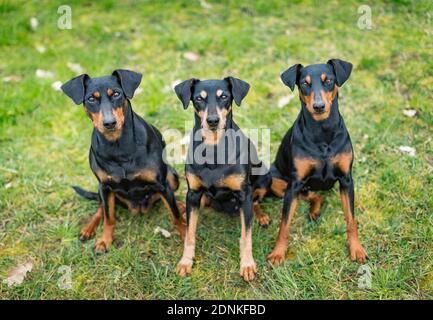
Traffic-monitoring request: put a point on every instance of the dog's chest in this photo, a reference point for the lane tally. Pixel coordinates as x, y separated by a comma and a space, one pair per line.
322, 173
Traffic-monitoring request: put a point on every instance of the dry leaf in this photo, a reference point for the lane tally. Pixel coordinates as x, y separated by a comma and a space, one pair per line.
283, 101
409, 150
57, 85
191, 56
410, 113
34, 23
75, 67
162, 231
16, 275
43, 74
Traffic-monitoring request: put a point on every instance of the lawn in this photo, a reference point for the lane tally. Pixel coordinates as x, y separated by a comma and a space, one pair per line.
44, 141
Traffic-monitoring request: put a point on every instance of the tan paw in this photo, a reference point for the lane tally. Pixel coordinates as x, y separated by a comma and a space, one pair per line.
184, 267
102, 245
357, 252
264, 220
277, 256
87, 233
314, 215
248, 270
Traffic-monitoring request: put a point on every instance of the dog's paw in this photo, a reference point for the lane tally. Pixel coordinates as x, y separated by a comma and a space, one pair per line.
357, 252
277, 256
102, 245
184, 267
264, 220
248, 270
314, 215
87, 233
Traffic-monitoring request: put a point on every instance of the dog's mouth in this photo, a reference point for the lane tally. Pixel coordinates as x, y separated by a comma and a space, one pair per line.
319, 111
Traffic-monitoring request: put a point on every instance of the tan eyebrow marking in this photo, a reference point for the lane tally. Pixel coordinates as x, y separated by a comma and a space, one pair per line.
219, 93
97, 94
323, 77
203, 94
110, 92
308, 79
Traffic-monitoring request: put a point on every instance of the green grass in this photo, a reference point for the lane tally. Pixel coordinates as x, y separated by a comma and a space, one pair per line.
44, 142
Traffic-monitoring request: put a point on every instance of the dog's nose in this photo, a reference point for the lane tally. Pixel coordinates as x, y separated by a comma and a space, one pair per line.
109, 124
213, 120
318, 106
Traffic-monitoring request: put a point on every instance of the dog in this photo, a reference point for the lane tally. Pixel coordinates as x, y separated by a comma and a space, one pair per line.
230, 184
316, 152
126, 154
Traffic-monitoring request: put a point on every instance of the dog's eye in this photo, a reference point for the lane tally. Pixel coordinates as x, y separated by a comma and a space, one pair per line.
328, 81
305, 83
91, 99
199, 99
116, 94
224, 97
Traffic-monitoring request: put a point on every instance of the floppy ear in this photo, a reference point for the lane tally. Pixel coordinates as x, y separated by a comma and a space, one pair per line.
184, 91
239, 89
290, 77
75, 88
129, 80
342, 70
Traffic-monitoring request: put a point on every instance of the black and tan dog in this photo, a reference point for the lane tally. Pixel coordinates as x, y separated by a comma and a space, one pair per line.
316, 152
126, 154
221, 165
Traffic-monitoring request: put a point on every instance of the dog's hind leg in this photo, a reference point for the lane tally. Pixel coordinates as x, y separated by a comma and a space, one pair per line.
89, 230
261, 217
315, 201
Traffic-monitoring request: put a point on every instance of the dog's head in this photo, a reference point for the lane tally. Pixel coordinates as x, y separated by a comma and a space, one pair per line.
318, 84
212, 99
105, 99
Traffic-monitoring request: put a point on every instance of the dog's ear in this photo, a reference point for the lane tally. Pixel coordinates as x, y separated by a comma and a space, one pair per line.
239, 89
129, 80
184, 91
76, 88
290, 77
342, 70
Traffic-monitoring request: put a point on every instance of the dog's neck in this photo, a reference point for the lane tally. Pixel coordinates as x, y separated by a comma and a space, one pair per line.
320, 131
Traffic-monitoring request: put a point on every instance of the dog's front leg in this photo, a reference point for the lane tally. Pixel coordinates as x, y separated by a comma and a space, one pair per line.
248, 265
276, 257
184, 266
347, 193
171, 205
109, 209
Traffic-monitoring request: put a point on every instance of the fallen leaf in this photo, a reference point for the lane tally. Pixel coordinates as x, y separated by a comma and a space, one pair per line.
75, 67
410, 113
43, 74
162, 231
57, 85
409, 150
11, 79
191, 56
34, 23
283, 101
205, 5
16, 275
40, 49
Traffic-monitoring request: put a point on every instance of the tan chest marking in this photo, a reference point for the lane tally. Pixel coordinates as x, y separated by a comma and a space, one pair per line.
304, 166
194, 182
233, 182
104, 177
343, 161
147, 175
